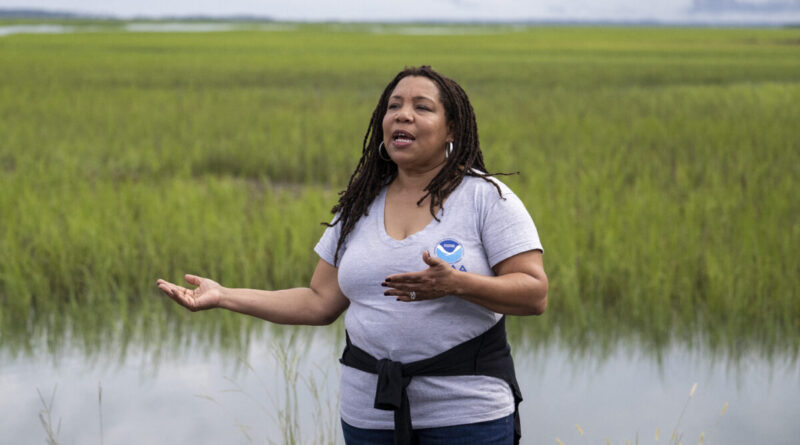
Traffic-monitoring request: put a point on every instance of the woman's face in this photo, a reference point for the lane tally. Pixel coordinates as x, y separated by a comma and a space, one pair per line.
415, 129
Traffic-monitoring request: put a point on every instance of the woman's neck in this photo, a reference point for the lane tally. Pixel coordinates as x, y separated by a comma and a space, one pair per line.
414, 181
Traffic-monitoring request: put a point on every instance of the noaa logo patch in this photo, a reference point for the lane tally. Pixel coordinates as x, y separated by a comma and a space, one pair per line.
449, 250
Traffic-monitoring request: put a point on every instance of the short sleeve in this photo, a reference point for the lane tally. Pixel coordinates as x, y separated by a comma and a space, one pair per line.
326, 247
506, 226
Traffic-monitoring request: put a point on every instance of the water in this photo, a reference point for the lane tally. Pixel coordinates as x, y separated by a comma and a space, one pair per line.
428, 30
146, 27
35, 29
199, 395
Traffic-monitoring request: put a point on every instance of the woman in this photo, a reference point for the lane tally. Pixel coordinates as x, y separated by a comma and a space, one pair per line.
428, 252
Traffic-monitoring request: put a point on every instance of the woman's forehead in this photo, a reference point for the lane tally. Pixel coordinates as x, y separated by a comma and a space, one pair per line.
416, 87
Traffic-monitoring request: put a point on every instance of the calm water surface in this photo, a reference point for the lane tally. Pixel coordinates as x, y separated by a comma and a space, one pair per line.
209, 396
34, 29
170, 27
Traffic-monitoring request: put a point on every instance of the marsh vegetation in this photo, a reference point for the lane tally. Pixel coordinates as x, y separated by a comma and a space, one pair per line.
659, 165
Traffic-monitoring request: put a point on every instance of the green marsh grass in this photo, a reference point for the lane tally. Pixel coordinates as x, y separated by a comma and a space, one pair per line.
659, 165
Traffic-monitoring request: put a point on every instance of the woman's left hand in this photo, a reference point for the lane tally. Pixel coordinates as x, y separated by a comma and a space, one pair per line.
434, 282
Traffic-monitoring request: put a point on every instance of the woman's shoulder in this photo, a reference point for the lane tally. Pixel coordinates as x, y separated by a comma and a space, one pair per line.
486, 187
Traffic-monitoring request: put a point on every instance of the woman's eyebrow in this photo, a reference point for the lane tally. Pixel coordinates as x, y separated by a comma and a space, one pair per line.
413, 98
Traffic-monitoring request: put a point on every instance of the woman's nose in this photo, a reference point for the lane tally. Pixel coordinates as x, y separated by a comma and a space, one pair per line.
403, 114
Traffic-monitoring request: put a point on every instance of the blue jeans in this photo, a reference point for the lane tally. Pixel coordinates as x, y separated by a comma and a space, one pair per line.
492, 432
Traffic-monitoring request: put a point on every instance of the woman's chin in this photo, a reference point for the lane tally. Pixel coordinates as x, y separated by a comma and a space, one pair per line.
415, 164
402, 157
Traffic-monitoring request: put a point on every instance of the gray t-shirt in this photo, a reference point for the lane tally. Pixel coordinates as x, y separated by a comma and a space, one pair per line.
476, 230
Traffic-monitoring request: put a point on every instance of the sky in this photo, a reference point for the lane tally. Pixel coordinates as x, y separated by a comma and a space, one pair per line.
668, 11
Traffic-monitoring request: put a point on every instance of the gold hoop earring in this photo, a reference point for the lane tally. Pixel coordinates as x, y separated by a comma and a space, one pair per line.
380, 155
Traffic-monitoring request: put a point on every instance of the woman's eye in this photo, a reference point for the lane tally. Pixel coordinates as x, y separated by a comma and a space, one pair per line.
393, 106
423, 107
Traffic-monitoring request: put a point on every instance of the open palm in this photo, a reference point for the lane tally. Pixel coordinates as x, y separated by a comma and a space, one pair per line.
205, 296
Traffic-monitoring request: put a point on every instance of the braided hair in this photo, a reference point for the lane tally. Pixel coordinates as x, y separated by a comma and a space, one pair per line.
372, 172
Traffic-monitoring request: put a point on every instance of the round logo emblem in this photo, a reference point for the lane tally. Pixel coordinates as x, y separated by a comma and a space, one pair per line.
449, 250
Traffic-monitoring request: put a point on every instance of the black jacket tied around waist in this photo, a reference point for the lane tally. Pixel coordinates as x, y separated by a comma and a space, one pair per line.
488, 354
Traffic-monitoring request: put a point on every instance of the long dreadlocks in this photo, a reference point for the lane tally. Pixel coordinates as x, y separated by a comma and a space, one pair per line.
372, 172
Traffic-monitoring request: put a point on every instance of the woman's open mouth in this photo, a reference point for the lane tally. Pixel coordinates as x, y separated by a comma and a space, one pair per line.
402, 138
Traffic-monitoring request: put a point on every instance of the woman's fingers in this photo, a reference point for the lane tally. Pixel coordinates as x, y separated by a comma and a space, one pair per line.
178, 291
405, 286
419, 292
193, 279
165, 286
405, 295
421, 285
431, 260
172, 292
402, 290
411, 296
165, 289
406, 278
436, 268
179, 294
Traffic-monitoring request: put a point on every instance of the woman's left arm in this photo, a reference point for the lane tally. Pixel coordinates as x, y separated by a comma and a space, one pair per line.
520, 287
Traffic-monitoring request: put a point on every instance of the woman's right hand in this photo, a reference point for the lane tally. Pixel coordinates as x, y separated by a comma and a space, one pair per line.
206, 295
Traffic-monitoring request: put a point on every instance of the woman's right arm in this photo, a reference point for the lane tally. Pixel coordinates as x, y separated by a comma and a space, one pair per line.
319, 304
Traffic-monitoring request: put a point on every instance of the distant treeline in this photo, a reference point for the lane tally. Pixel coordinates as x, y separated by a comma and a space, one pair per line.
41, 14
53, 15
